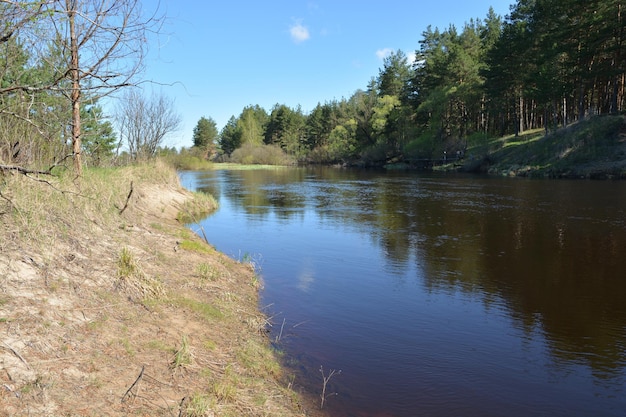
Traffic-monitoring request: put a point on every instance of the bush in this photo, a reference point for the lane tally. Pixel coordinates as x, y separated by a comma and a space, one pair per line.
375, 154
421, 147
319, 155
188, 159
251, 154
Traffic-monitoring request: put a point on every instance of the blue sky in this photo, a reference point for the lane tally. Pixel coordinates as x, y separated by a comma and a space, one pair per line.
221, 56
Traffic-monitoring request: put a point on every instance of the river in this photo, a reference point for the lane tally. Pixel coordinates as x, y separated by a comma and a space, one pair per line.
435, 294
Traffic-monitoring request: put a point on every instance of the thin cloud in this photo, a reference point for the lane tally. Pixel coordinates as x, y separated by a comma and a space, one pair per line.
312, 6
383, 53
411, 57
299, 33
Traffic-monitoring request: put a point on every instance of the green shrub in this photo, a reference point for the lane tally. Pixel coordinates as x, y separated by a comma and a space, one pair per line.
250, 153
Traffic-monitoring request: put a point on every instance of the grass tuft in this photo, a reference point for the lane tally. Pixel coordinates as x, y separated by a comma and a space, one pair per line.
126, 265
132, 279
182, 356
199, 405
207, 272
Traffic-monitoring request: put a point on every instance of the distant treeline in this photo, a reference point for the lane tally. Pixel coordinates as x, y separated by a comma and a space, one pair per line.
546, 64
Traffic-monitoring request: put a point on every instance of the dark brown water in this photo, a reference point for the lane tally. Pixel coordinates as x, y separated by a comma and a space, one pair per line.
436, 295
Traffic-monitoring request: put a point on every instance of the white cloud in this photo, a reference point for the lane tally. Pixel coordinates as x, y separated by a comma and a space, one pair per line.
411, 58
299, 32
383, 53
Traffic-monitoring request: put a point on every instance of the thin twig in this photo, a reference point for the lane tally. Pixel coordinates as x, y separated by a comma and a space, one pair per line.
280, 335
128, 391
182, 407
195, 221
206, 239
8, 200
156, 381
300, 324
130, 193
325, 379
16, 353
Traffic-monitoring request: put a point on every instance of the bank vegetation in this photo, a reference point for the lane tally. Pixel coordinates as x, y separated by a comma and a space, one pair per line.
109, 305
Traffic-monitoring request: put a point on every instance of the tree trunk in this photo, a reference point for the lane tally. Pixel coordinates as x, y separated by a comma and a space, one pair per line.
522, 114
617, 64
75, 93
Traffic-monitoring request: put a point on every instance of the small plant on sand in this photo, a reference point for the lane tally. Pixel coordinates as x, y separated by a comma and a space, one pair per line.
182, 356
254, 262
198, 406
207, 272
126, 265
132, 279
325, 379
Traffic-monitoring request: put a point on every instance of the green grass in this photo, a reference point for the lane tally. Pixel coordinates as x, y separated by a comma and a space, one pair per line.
204, 310
125, 343
259, 359
158, 345
199, 405
195, 246
207, 272
225, 389
579, 150
245, 167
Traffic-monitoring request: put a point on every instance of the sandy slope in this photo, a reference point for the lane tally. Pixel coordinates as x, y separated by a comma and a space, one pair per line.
74, 336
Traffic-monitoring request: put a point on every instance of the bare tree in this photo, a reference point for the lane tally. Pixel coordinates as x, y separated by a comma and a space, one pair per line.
105, 43
144, 123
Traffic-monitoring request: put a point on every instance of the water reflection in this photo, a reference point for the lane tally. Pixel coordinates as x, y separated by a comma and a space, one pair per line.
547, 255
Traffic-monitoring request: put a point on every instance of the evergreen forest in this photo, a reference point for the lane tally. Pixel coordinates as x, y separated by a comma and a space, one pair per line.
545, 65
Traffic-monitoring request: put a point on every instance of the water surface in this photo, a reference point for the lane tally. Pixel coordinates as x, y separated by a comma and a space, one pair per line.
436, 295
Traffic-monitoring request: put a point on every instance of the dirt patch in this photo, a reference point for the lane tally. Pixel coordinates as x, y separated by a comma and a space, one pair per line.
143, 318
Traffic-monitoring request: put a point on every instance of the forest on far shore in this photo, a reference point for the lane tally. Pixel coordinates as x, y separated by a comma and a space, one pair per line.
545, 65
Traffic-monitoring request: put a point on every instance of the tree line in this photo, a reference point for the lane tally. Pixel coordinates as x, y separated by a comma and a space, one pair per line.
546, 64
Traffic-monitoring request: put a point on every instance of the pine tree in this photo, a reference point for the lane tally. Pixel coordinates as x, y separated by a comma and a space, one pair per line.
205, 133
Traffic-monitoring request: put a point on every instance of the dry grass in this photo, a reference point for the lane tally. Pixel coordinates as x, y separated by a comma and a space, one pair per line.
103, 313
194, 210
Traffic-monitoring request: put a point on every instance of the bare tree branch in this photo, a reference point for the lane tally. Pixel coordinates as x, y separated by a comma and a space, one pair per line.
145, 122
23, 170
23, 13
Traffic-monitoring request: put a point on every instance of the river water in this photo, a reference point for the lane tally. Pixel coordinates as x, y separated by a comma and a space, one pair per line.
435, 295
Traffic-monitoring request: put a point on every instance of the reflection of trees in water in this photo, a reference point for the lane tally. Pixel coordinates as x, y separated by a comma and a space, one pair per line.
534, 245
551, 268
